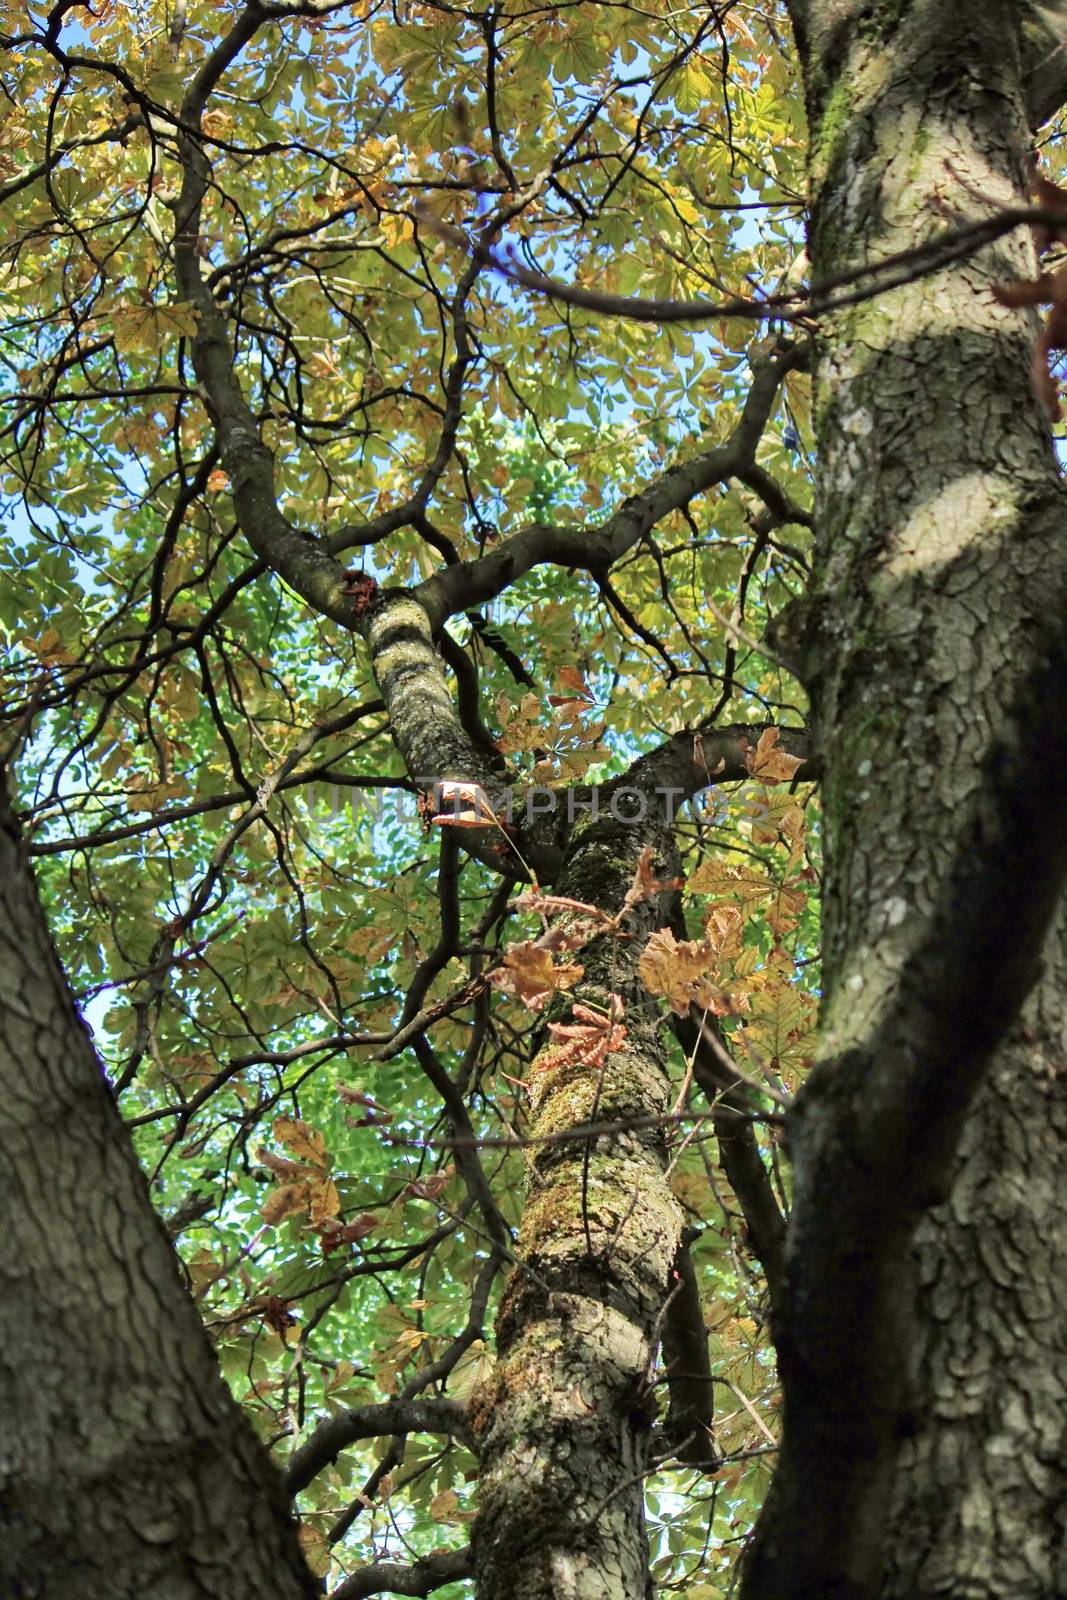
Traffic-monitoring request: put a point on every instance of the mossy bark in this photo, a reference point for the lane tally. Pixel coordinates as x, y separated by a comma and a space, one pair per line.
565, 1422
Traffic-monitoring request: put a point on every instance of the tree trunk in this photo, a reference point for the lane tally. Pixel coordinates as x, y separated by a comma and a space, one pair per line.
925, 1369
565, 1420
125, 1468
980, 1496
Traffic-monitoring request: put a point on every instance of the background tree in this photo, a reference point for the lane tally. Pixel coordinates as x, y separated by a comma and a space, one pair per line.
512, 301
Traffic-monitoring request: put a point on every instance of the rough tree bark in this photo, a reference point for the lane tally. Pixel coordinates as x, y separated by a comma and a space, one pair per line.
125, 1467
921, 1334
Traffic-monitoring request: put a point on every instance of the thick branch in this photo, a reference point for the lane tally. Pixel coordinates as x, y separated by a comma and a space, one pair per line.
698, 758
427, 729
738, 1152
1044, 32
798, 16
879, 1123
562, 1422
941, 593
421, 1578
313, 573
371, 1422
594, 549
687, 1363
853, 286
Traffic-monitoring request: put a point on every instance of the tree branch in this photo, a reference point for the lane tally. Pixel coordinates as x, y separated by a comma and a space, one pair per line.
120, 132
63, 1251
687, 1363
372, 1422
699, 758
399, 627
425, 1575
798, 16
315, 574
850, 287
593, 549
1044, 33
738, 1151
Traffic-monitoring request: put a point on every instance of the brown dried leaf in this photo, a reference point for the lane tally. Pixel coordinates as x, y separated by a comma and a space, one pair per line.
460, 819
571, 678
767, 762
681, 972
444, 1507
570, 935
358, 1097
316, 1549
587, 1041
335, 1234
645, 883
286, 1201
281, 1166
463, 805
530, 974
430, 1188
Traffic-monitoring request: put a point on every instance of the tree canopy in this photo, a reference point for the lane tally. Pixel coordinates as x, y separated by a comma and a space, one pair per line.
414, 608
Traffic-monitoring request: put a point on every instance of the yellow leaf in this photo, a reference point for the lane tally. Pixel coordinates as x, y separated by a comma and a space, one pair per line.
316, 1548
475, 1368
745, 963
777, 816
785, 910
341, 1374
396, 230
217, 124
746, 884
722, 929
302, 1139
149, 327
323, 1201
369, 943
444, 1507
